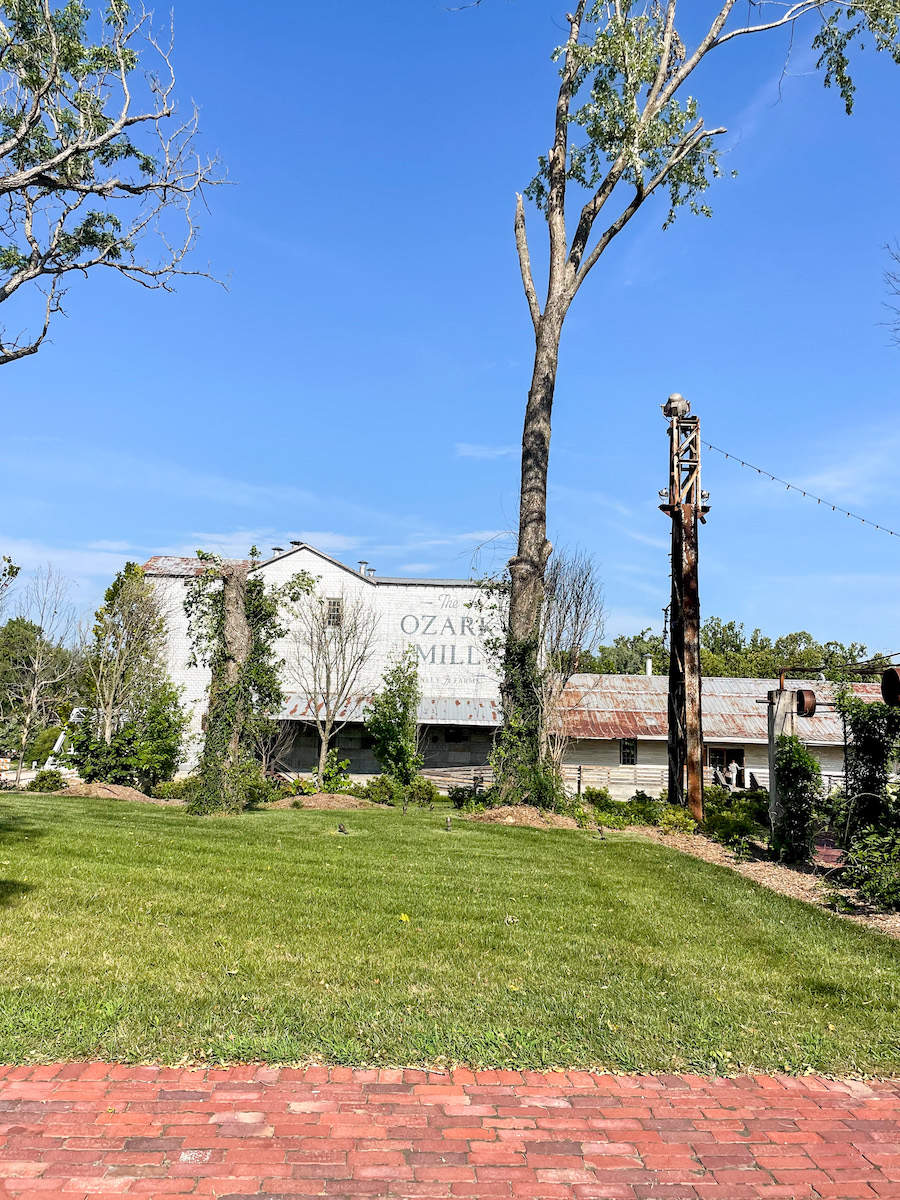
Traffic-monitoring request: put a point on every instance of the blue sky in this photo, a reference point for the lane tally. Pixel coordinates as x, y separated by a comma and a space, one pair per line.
361, 383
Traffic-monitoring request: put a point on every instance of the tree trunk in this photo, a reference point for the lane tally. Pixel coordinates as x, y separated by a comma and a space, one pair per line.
26, 729
324, 743
237, 650
521, 688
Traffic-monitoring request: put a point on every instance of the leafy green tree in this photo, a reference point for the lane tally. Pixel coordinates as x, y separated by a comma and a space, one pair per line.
626, 126
95, 162
392, 719
144, 750
132, 724
628, 655
873, 747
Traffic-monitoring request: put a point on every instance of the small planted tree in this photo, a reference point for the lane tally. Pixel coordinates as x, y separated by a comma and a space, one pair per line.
392, 719
332, 643
799, 788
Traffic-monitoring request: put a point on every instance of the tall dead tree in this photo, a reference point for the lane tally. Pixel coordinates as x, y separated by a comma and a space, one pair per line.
623, 86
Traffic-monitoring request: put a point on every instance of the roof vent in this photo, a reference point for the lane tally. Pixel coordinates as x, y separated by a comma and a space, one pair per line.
278, 549
362, 566
370, 572
294, 543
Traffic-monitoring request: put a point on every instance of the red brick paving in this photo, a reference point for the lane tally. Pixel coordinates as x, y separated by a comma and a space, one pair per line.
91, 1130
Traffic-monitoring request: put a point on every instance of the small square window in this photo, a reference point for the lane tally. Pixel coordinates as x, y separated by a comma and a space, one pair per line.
627, 752
334, 614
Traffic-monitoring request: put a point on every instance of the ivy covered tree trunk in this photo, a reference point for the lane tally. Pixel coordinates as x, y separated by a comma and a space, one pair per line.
521, 685
236, 631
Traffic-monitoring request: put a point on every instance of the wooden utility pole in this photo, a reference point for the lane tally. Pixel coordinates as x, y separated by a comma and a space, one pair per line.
686, 507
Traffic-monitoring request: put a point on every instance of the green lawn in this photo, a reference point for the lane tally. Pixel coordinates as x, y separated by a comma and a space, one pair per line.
134, 932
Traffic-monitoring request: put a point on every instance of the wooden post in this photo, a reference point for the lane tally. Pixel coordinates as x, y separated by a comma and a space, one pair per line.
686, 508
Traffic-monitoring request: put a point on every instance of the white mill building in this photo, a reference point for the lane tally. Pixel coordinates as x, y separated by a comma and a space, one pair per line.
617, 723
460, 704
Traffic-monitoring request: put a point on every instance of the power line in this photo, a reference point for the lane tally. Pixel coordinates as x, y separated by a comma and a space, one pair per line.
793, 488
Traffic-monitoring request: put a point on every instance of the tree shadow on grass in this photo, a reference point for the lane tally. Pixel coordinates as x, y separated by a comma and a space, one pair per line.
12, 891
14, 827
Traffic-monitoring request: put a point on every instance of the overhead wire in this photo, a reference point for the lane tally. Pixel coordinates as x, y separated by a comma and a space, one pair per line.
791, 487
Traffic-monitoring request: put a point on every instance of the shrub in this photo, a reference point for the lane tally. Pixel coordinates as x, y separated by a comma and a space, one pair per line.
733, 818
422, 791
799, 790
176, 789
675, 819
46, 781
262, 790
461, 796
873, 866
384, 789
598, 796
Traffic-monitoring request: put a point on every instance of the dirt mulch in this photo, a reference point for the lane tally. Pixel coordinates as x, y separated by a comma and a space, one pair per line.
521, 814
114, 791
809, 884
323, 800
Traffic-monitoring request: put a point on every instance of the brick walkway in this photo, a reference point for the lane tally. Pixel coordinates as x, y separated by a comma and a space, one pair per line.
92, 1130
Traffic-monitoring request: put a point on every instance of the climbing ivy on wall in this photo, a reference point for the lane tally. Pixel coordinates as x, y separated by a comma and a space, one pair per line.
234, 622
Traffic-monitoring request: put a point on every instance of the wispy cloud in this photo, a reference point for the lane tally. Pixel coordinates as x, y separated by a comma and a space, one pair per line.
468, 450
659, 543
119, 547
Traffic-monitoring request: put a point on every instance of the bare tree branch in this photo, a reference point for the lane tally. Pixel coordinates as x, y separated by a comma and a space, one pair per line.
525, 264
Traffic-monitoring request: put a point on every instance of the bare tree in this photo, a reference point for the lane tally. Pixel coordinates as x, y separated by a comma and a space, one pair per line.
272, 742
623, 84
892, 278
124, 649
332, 641
94, 158
573, 620
43, 669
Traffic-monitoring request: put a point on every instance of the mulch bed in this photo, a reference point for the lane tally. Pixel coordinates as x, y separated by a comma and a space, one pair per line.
323, 800
114, 791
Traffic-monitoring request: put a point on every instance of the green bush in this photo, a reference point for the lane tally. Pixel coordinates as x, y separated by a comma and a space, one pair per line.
799, 793
422, 791
461, 795
176, 789
384, 789
873, 866
46, 781
675, 819
598, 796
734, 818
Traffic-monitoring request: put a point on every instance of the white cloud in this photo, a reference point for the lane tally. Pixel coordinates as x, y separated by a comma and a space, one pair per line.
120, 547
418, 568
659, 543
467, 450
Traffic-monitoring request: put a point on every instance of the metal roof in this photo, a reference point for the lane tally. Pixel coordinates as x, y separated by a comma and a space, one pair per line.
433, 710
175, 564
635, 706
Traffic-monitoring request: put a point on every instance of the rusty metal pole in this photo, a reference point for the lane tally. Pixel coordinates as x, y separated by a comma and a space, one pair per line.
686, 507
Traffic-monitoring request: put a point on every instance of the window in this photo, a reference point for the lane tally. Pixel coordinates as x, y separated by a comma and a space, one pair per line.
335, 614
456, 736
628, 751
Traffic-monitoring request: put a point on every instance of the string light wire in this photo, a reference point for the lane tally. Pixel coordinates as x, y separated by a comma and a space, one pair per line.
793, 488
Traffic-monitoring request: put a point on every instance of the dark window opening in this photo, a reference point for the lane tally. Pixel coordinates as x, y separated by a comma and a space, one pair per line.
456, 736
335, 614
628, 752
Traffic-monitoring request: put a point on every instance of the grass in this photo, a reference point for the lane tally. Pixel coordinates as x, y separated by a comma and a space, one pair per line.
131, 932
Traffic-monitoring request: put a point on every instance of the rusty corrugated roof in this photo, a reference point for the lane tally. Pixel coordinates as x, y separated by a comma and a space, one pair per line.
182, 566
635, 706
